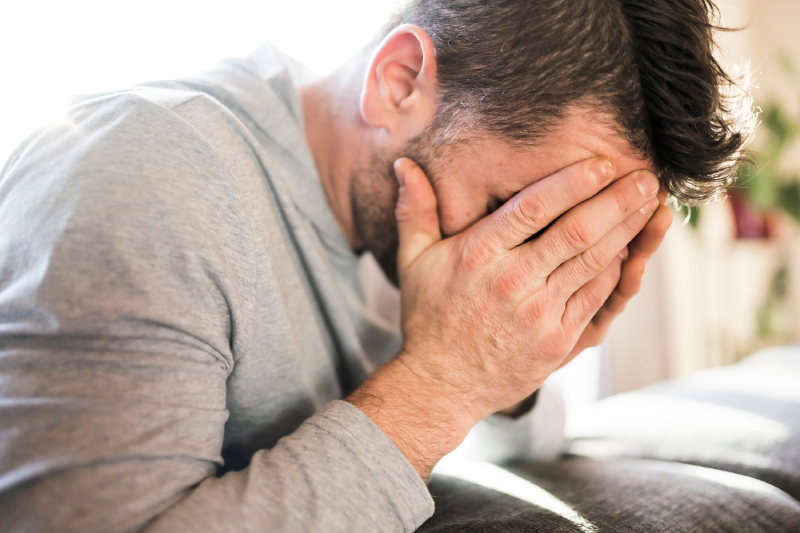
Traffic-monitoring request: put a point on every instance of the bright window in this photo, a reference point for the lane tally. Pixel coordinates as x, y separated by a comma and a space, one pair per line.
50, 50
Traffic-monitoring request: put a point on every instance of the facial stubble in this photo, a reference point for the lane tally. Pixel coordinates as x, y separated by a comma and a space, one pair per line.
373, 196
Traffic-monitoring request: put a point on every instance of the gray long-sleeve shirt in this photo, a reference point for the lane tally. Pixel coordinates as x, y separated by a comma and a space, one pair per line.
175, 297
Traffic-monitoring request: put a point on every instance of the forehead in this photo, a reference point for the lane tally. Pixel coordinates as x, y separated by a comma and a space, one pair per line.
582, 134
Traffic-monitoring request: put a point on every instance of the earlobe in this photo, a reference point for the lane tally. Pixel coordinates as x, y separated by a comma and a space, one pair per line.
399, 91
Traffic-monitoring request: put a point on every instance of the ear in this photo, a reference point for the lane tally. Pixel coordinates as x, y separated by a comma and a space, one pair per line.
400, 89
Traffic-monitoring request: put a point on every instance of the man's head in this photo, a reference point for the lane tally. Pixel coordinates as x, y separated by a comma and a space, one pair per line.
490, 96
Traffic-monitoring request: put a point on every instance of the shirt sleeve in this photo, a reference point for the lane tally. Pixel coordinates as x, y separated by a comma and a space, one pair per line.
126, 287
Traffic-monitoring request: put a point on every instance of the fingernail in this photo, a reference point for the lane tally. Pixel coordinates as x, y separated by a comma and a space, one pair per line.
603, 170
649, 207
399, 174
648, 184
624, 253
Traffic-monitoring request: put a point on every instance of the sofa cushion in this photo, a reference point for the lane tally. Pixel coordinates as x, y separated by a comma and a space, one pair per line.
581, 495
744, 418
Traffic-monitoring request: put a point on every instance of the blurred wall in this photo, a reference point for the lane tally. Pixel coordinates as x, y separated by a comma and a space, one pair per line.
775, 26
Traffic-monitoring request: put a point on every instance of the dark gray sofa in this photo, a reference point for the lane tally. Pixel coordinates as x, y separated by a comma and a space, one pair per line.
717, 451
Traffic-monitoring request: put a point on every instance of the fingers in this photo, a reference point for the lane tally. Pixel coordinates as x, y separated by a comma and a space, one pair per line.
587, 300
641, 250
417, 218
630, 282
647, 242
586, 224
576, 272
596, 329
539, 204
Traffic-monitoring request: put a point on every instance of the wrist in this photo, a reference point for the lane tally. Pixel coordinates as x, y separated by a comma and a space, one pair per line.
522, 408
415, 413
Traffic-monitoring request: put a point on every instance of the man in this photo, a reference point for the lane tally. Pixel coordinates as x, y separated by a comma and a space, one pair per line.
180, 308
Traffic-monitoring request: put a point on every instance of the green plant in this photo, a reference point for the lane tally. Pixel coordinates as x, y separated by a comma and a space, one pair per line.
768, 316
765, 184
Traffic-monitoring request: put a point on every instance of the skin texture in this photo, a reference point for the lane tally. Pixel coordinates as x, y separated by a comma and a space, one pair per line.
488, 313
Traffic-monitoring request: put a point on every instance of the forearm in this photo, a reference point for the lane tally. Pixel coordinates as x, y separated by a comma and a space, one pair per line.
423, 420
336, 473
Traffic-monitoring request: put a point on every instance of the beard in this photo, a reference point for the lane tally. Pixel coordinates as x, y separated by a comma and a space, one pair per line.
373, 196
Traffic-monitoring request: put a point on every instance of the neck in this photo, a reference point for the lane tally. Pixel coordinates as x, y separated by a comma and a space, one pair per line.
335, 133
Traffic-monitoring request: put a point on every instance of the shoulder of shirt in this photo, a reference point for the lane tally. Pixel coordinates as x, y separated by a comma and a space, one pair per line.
157, 98
167, 96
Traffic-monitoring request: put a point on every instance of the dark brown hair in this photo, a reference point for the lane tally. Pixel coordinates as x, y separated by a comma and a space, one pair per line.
513, 68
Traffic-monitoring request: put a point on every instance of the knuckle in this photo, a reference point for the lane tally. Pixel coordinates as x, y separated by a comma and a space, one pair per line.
474, 254
578, 233
594, 260
529, 212
594, 298
510, 283
535, 311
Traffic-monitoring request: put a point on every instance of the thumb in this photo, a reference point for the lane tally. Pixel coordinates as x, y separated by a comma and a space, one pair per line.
417, 219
